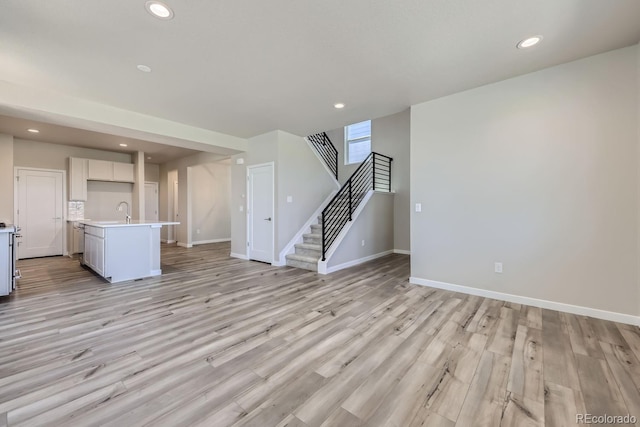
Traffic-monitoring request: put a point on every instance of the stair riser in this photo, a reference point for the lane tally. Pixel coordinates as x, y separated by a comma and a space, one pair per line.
316, 229
313, 240
301, 264
309, 252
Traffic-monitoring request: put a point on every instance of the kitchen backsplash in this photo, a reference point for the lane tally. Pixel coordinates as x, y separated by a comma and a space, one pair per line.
76, 211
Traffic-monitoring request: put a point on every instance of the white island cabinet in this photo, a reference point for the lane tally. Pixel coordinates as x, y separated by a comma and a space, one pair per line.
7, 260
120, 251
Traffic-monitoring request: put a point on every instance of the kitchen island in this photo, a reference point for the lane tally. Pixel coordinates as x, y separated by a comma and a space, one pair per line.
120, 250
8, 271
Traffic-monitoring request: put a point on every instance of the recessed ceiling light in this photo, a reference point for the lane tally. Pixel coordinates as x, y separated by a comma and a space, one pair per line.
33, 130
123, 145
149, 158
529, 42
159, 9
339, 105
144, 68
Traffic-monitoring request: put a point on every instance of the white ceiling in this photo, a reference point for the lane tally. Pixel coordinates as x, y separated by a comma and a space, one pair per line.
245, 67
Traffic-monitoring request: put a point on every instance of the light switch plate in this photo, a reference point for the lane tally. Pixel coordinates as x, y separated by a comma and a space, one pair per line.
289, 199
418, 207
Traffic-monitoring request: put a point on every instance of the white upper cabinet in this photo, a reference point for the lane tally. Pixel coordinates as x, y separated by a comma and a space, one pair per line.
100, 170
78, 173
123, 172
83, 170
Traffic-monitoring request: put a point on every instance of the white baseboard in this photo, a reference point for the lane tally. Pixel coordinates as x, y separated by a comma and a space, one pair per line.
205, 242
326, 269
401, 251
239, 256
185, 245
167, 241
551, 305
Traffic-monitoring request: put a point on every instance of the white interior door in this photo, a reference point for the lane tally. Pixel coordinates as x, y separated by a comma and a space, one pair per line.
151, 201
260, 212
40, 200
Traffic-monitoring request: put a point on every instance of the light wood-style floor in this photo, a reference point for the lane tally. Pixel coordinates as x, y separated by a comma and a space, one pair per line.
218, 341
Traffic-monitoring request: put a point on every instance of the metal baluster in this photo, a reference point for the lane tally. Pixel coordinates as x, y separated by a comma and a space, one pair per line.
389, 161
373, 170
324, 232
350, 201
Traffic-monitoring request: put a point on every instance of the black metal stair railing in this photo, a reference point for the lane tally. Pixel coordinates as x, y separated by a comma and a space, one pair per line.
327, 151
374, 173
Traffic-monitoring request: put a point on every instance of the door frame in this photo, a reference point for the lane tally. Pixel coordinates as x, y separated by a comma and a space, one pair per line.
16, 201
273, 205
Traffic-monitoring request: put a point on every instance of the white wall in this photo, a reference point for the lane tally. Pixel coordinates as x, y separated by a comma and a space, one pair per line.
638, 160
180, 165
260, 149
374, 226
301, 176
6, 178
390, 135
539, 172
137, 196
211, 199
298, 173
104, 197
167, 202
151, 172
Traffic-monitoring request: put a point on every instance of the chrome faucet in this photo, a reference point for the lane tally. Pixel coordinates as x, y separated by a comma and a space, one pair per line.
119, 209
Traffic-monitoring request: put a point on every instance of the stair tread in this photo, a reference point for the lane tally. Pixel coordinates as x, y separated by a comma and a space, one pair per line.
303, 258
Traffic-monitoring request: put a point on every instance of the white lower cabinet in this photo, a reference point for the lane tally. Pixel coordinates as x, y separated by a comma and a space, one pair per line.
94, 249
6, 276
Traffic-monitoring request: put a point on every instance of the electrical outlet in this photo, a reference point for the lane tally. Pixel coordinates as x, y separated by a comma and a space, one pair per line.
363, 243
241, 208
498, 267
289, 199
418, 207
198, 231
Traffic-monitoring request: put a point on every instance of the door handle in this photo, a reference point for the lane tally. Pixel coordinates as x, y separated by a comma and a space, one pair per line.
268, 219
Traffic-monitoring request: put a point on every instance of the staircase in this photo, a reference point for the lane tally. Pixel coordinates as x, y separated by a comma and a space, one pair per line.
373, 174
308, 253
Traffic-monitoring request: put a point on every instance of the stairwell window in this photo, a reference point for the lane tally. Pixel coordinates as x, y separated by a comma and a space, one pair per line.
357, 138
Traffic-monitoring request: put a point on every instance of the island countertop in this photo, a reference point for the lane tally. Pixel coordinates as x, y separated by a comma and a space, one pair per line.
133, 223
9, 228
